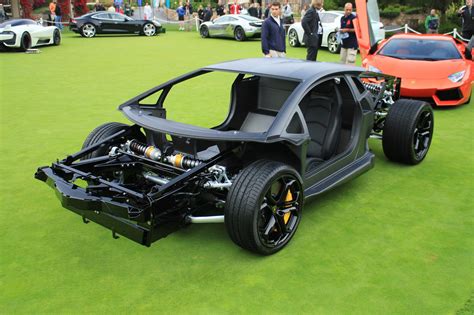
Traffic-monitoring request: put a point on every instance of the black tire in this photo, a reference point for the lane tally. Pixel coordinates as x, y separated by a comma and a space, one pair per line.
149, 29
102, 132
56, 37
25, 42
204, 31
3, 47
88, 30
239, 34
408, 131
257, 219
293, 38
333, 46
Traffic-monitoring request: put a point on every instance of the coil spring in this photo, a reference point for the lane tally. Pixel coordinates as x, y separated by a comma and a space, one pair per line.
190, 162
373, 88
138, 147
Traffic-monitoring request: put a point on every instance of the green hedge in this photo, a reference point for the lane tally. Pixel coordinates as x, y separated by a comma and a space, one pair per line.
390, 12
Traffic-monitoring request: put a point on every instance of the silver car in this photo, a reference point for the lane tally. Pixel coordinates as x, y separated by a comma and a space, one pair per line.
235, 26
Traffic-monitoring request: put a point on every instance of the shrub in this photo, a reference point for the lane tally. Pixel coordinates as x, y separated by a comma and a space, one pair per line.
27, 7
416, 10
390, 12
80, 7
38, 3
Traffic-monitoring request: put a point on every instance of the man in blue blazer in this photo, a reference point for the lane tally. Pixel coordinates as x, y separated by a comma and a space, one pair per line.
273, 33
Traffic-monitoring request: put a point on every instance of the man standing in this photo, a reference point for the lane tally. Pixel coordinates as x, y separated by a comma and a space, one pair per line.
235, 8
467, 15
287, 14
349, 40
273, 33
57, 11
432, 23
220, 9
310, 24
52, 11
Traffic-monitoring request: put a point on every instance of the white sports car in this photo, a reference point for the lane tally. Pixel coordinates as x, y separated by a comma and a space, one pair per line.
26, 33
330, 21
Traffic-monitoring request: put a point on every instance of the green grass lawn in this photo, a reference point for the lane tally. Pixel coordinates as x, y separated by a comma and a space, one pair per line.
397, 240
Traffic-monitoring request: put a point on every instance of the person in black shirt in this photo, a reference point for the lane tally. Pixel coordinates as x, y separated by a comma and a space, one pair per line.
207, 13
220, 9
253, 10
57, 11
467, 15
310, 24
349, 40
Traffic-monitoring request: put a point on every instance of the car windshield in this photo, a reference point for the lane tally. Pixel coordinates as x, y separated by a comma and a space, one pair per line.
17, 23
249, 18
420, 49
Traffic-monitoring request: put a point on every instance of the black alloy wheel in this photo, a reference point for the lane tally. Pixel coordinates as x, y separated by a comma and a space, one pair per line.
239, 34
408, 131
25, 42
204, 31
56, 37
264, 206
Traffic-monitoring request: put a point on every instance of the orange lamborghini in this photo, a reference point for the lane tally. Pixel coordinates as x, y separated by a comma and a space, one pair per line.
434, 68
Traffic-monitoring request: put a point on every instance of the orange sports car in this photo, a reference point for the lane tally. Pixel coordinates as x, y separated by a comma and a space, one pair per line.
434, 68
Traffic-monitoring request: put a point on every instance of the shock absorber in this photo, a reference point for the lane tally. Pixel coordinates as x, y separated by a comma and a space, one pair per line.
149, 151
181, 161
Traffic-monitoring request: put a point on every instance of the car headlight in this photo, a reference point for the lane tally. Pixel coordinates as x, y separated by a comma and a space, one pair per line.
456, 77
374, 69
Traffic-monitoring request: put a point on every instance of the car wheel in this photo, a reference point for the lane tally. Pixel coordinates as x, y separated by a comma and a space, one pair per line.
56, 38
263, 207
293, 38
88, 30
408, 131
333, 46
204, 31
25, 42
149, 29
239, 34
3, 47
102, 132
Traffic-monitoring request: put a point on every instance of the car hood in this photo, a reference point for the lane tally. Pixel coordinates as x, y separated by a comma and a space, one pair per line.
416, 69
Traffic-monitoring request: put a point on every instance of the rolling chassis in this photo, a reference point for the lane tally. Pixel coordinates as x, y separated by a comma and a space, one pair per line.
156, 210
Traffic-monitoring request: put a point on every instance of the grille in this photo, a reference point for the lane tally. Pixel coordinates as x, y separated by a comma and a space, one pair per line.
449, 95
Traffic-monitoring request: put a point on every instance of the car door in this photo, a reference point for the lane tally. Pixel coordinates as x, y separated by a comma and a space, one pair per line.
230, 26
104, 22
367, 16
123, 24
219, 25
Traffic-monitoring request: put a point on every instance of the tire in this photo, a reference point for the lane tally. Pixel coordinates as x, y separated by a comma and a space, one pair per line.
88, 30
239, 34
56, 37
258, 220
102, 132
204, 31
149, 29
293, 38
333, 46
408, 131
25, 42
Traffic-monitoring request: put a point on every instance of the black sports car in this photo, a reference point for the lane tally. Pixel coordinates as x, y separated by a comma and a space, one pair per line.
294, 130
104, 22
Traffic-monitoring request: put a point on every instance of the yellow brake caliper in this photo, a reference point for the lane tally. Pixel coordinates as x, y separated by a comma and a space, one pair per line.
286, 216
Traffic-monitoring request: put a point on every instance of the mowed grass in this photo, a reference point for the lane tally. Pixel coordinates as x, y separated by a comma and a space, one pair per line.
396, 240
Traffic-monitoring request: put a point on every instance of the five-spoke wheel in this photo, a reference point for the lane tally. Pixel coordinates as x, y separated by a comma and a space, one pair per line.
149, 29
263, 207
293, 38
333, 46
88, 30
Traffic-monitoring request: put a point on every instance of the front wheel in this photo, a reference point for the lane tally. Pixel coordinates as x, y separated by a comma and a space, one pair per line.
204, 31
264, 206
56, 38
333, 46
149, 29
293, 38
408, 131
88, 30
25, 42
239, 34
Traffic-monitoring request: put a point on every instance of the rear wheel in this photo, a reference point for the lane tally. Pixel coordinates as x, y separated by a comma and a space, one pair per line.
101, 133
204, 31
149, 29
239, 34
263, 207
25, 42
408, 131
56, 37
333, 46
293, 38
88, 30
